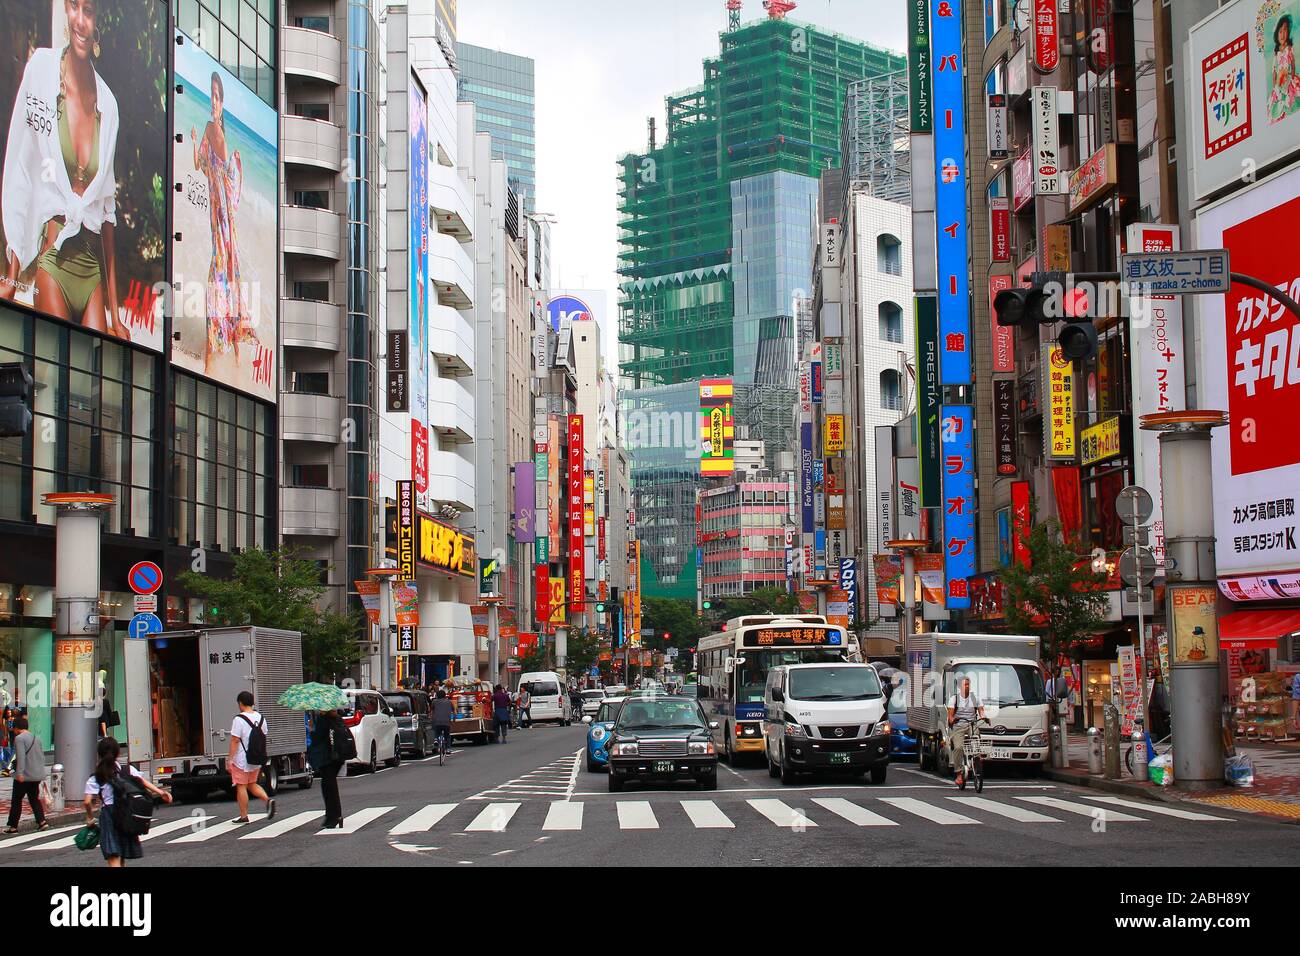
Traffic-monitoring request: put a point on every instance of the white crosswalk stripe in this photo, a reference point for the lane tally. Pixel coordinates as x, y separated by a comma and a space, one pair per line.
352, 822
423, 819
218, 829
564, 815
494, 818
927, 812
1019, 814
1110, 816
157, 830
283, 826
859, 816
1154, 808
636, 815
706, 815
781, 814
16, 841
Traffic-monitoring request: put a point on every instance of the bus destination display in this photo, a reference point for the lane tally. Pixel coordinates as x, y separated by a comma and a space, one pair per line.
791, 636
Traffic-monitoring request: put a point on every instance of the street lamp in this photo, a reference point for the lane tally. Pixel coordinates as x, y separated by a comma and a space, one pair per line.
385, 574
907, 549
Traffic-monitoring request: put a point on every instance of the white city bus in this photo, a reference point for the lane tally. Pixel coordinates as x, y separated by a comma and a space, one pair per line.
733, 665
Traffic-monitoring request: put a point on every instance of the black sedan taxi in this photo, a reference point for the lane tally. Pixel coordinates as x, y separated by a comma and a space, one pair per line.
663, 739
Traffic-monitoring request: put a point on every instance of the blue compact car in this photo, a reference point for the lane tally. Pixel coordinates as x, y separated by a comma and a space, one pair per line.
903, 740
598, 734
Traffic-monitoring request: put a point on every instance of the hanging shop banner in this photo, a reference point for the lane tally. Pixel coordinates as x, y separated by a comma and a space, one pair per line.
951, 242
1000, 228
406, 604
420, 457
1195, 625
1047, 141
833, 434
1004, 336
888, 572
559, 609
542, 594
717, 427
577, 552
957, 435
806, 468
849, 584
1004, 426
1058, 382
368, 592
1021, 519
918, 65
1067, 486
1022, 180
1094, 179
1047, 40
907, 495
927, 399
929, 568
406, 530
1156, 369
1004, 537
1100, 441
884, 485
525, 502
1101, 34
998, 133
417, 248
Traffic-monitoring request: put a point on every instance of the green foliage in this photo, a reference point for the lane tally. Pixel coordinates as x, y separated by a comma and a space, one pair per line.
1053, 597
280, 589
538, 659
758, 601
673, 616
582, 650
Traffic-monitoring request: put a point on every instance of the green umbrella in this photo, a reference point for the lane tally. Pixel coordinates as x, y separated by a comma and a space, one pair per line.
313, 696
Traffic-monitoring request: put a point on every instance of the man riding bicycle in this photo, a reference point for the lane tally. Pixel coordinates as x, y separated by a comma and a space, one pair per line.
964, 708
442, 719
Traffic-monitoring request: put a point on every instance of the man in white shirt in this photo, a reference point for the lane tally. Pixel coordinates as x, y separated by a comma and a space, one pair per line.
243, 772
964, 708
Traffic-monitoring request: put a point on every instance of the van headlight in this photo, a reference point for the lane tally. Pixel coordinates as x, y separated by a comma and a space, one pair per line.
700, 748
884, 727
625, 750
794, 730
1036, 740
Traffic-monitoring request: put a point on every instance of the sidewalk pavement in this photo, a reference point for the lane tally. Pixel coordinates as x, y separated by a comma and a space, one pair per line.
1275, 793
71, 808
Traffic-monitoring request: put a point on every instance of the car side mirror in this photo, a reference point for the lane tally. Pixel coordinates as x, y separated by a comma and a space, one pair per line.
713, 725
586, 718
778, 694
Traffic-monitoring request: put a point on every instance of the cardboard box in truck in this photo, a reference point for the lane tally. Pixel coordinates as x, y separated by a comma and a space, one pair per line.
181, 690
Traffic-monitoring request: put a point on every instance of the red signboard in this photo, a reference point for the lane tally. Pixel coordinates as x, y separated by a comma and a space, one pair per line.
1000, 228
1022, 180
574, 484
420, 456
1021, 519
1047, 41
1004, 336
542, 595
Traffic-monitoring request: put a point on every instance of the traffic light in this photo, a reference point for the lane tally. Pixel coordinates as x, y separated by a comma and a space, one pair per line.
600, 607
15, 391
708, 605
1078, 340
1021, 306
1031, 305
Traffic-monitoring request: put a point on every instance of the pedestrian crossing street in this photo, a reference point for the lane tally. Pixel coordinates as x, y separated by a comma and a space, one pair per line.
792, 812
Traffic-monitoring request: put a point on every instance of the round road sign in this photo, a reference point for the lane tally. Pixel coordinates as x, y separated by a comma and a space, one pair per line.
1133, 504
1137, 566
145, 577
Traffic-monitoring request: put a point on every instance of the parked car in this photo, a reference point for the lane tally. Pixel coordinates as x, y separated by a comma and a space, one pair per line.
374, 728
598, 731
662, 738
550, 699
414, 712
903, 742
591, 701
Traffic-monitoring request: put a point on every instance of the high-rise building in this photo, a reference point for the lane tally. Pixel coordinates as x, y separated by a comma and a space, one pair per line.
718, 227
501, 86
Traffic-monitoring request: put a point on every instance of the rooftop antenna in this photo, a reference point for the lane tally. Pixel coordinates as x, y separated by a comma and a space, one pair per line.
733, 14
777, 9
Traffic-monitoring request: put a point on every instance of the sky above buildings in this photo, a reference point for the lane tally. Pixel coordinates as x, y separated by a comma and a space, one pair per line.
604, 67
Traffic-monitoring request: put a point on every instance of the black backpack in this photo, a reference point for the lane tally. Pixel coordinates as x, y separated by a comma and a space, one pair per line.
255, 748
343, 746
132, 805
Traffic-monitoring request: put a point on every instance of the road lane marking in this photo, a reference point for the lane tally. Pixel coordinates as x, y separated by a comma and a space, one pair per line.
706, 815
853, 813
563, 815
1005, 810
1110, 816
1166, 811
218, 829
273, 830
493, 818
38, 835
934, 814
781, 814
636, 815
423, 819
352, 822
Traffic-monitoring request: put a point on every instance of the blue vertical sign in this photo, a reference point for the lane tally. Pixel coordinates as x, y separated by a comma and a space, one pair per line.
806, 451
957, 446
950, 193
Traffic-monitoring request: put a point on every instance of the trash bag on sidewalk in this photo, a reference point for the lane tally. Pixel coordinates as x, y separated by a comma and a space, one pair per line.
1239, 770
1161, 770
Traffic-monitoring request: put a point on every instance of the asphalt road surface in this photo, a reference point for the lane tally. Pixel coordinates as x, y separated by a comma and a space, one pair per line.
531, 802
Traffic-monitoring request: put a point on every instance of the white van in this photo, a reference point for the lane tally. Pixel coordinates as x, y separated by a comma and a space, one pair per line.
825, 718
550, 699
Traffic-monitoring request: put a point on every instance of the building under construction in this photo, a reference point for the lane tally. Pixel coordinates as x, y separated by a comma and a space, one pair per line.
718, 224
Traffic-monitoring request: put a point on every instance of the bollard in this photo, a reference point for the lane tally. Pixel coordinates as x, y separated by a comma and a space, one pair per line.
1094, 751
1139, 753
1063, 740
57, 798
1059, 759
1111, 725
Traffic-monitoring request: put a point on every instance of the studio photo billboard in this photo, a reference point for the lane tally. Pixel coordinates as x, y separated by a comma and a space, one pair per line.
225, 217
83, 191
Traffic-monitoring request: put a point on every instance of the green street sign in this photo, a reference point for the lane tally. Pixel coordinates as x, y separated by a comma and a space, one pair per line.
542, 550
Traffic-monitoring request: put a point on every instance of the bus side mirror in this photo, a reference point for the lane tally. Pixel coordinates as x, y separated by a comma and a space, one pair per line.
730, 665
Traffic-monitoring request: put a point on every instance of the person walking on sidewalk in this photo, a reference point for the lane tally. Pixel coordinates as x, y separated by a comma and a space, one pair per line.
29, 771
525, 707
116, 846
247, 756
500, 712
331, 747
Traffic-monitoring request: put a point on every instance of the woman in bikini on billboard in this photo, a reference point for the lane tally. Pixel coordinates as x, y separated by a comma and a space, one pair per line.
60, 227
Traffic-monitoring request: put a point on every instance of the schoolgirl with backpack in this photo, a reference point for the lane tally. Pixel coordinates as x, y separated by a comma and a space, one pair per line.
125, 798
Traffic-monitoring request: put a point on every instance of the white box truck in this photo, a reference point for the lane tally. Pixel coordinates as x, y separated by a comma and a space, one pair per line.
1006, 674
180, 703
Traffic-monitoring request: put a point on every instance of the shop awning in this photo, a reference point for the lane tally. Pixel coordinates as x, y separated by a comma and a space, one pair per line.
1246, 628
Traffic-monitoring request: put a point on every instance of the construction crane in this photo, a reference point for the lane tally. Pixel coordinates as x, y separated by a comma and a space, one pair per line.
733, 14
777, 9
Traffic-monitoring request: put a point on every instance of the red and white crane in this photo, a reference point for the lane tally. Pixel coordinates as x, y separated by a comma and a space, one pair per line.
777, 9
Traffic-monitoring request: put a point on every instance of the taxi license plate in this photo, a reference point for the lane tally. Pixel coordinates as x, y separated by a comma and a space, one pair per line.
840, 758
662, 766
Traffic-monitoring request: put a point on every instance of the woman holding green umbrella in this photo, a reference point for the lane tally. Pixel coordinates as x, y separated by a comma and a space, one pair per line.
331, 741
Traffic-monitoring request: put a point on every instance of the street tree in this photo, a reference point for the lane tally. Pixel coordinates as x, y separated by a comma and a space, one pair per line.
758, 601
674, 617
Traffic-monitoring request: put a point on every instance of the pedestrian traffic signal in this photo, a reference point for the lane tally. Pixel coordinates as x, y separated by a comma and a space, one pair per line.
15, 393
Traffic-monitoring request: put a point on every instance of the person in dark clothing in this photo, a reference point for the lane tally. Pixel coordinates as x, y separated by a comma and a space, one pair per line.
500, 712
442, 717
29, 771
322, 755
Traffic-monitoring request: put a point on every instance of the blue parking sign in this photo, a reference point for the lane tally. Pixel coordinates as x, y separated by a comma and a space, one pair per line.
142, 625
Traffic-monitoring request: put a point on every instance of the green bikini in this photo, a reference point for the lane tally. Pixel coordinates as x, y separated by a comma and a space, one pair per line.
78, 267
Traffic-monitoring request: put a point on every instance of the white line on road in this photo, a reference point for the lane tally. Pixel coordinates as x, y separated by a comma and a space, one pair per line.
1005, 810
856, 788
1110, 816
423, 819
781, 814
636, 815
1149, 808
706, 815
39, 835
494, 818
924, 810
218, 829
563, 815
352, 822
853, 813
273, 830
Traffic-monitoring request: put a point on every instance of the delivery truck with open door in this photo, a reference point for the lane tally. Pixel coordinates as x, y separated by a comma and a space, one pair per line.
181, 690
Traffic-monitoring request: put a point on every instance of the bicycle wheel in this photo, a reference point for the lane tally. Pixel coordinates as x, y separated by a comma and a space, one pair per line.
977, 767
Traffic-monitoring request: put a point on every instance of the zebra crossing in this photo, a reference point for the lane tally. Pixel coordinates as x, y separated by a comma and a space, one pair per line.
655, 813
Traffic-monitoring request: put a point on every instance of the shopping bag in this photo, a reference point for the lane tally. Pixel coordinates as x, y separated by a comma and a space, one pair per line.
87, 837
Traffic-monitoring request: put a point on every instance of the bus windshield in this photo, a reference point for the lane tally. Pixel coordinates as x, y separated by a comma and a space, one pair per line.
751, 676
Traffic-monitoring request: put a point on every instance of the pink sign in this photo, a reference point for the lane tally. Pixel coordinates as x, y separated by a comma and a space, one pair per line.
1004, 336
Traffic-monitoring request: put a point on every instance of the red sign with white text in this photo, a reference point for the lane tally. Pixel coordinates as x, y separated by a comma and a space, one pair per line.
542, 594
1000, 228
1047, 44
575, 491
420, 456
1021, 519
1004, 336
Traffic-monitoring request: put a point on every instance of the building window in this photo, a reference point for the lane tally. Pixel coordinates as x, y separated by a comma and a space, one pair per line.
891, 395
309, 476
316, 111
311, 383
321, 24
312, 198
889, 255
312, 290
891, 322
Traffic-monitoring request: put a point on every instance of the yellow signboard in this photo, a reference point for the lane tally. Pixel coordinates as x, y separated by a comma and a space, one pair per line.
446, 548
833, 434
1058, 379
559, 612
1100, 441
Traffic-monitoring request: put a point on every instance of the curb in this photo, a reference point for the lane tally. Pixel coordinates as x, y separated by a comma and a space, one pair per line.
1149, 792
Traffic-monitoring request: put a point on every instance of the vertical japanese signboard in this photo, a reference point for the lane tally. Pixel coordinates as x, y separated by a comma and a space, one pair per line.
542, 595
574, 490
1000, 228
1058, 381
1047, 141
950, 193
1047, 41
918, 65
957, 428
406, 530
999, 135
927, 393
1004, 336
1004, 426
717, 427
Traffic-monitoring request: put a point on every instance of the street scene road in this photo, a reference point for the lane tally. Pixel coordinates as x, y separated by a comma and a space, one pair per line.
531, 802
